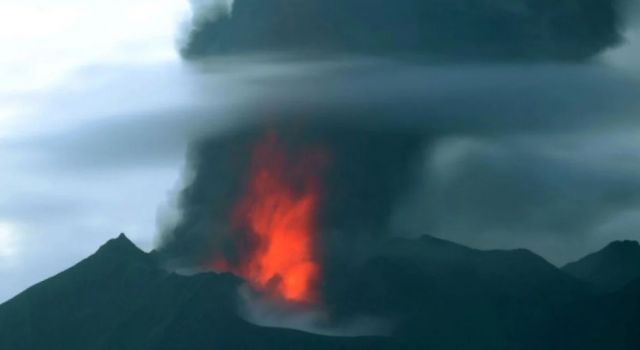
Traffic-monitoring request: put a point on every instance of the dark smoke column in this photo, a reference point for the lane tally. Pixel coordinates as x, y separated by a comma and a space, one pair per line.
367, 171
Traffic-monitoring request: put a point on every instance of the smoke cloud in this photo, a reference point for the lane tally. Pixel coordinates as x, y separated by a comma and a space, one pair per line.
490, 156
498, 155
460, 30
368, 170
206, 11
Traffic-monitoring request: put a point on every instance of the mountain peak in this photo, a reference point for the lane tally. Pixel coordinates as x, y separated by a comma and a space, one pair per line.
119, 299
120, 242
121, 248
610, 268
626, 244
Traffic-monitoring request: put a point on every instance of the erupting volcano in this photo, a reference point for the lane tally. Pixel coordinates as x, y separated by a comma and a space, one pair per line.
274, 223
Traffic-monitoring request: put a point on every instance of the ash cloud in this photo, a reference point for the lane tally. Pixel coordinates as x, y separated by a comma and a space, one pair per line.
545, 193
207, 11
488, 155
444, 30
367, 171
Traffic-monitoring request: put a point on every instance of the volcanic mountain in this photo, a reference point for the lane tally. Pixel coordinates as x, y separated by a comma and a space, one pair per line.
610, 268
435, 293
119, 298
448, 296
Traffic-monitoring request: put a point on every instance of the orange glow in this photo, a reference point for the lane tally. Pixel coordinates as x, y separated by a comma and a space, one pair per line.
276, 219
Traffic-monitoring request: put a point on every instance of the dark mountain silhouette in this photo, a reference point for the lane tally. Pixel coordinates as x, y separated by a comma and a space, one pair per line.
119, 299
439, 295
610, 268
458, 29
447, 296
606, 321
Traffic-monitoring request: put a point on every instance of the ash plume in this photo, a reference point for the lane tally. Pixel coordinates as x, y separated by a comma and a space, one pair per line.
407, 144
369, 169
444, 30
205, 11
480, 153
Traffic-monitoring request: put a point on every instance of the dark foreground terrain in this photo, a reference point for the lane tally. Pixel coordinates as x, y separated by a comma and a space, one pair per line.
441, 296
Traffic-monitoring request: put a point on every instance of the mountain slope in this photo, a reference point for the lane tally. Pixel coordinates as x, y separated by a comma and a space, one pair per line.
447, 296
437, 294
607, 321
610, 268
119, 299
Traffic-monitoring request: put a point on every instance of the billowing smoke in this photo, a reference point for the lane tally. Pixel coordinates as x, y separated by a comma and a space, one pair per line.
443, 29
484, 154
466, 152
367, 171
206, 11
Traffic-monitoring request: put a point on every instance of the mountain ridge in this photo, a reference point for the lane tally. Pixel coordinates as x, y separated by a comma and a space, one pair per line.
610, 268
439, 295
119, 298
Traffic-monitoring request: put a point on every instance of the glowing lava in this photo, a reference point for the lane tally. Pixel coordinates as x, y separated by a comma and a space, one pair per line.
274, 223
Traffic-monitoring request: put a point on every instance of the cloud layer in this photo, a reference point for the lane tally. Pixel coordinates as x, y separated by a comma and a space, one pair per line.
459, 30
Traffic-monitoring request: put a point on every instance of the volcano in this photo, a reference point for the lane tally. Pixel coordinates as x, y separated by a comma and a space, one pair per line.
441, 295
120, 298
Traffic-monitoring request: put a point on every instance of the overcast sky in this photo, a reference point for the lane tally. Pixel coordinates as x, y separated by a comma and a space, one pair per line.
69, 68
96, 112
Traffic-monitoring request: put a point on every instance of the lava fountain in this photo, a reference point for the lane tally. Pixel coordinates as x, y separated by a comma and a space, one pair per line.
275, 222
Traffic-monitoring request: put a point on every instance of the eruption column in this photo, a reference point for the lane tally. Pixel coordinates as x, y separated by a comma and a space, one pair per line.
274, 223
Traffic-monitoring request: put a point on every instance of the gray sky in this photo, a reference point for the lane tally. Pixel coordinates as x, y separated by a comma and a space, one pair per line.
95, 120
70, 69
